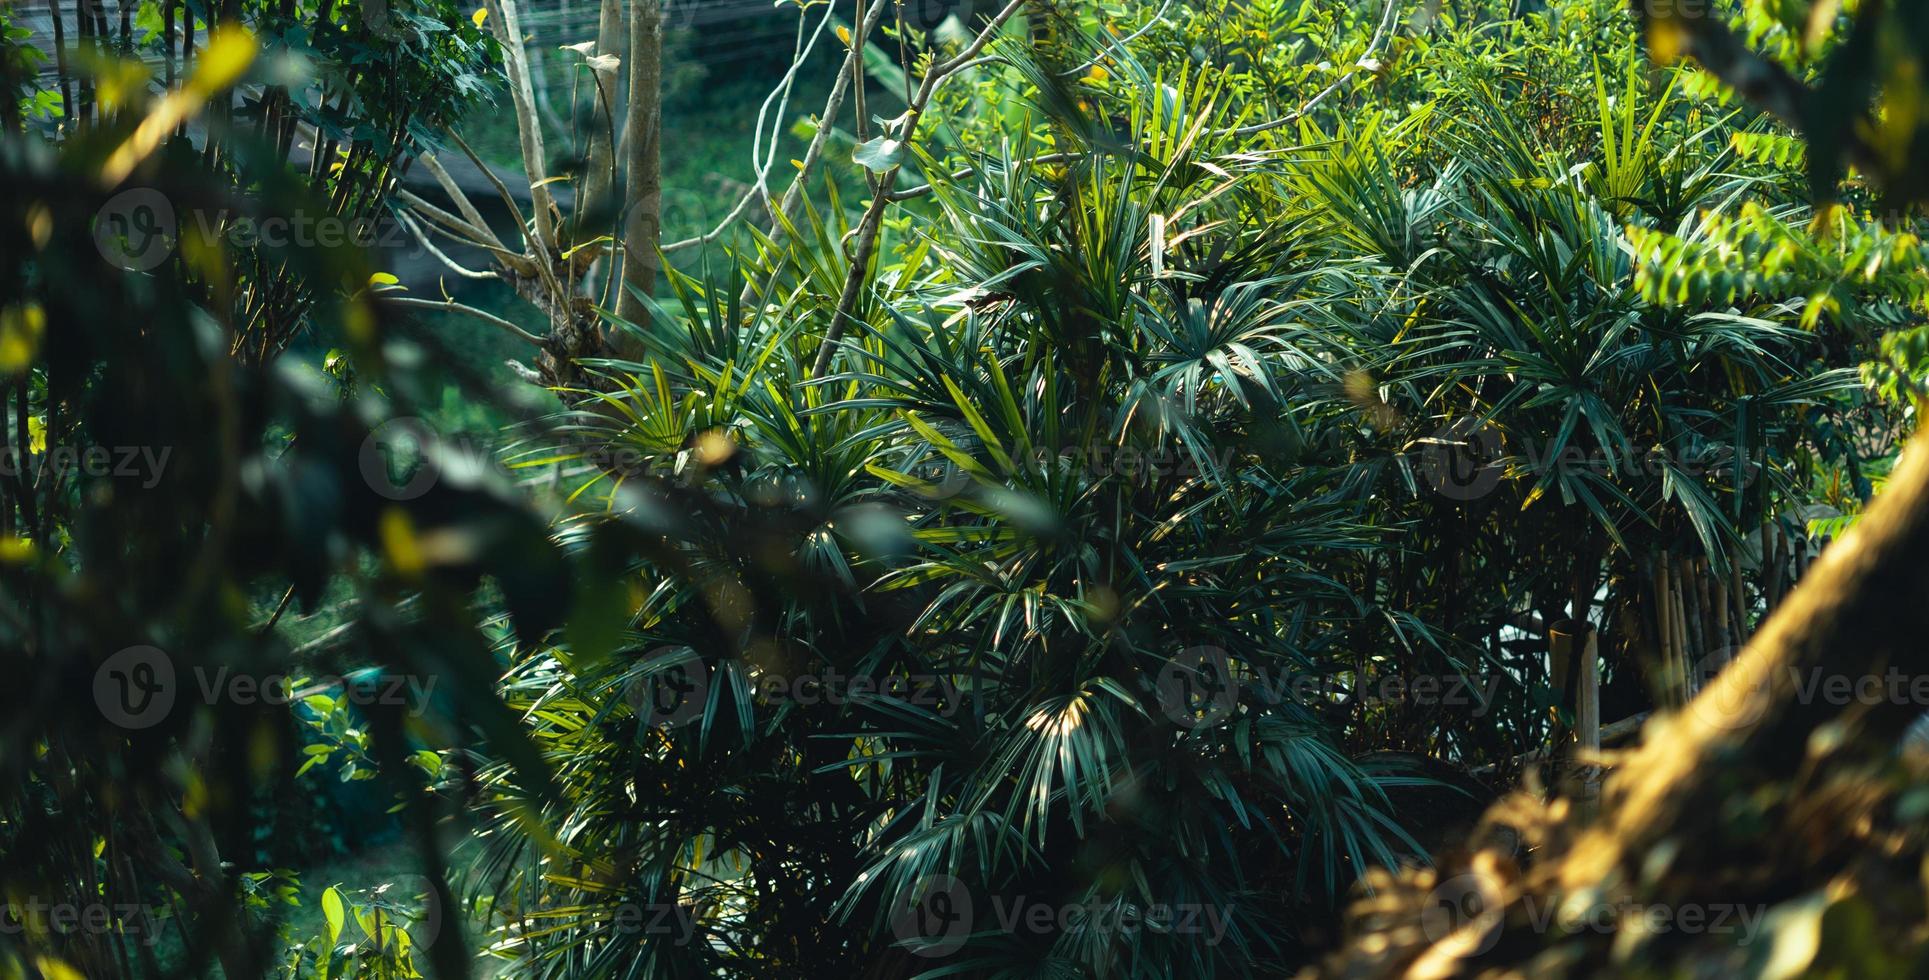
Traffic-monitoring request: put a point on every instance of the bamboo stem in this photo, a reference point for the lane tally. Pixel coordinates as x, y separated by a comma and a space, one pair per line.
1664, 628
1738, 594
1724, 614
1710, 612
1773, 570
1691, 616
1587, 721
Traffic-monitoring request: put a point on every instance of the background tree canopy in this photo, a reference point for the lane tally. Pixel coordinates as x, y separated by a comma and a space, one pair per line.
1063, 487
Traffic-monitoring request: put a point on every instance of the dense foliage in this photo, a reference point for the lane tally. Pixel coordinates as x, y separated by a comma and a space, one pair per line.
1151, 505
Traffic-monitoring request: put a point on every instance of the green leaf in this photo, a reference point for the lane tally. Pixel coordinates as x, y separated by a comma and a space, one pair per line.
332, 908
880, 154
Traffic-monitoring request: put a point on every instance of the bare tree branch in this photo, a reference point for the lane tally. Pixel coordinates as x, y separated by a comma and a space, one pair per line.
873, 221
508, 28
451, 306
599, 181
422, 239
825, 122
1372, 47
760, 164
456, 195
456, 229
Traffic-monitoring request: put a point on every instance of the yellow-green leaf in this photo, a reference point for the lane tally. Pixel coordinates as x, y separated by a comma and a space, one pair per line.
21, 328
54, 969
229, 52
335, 913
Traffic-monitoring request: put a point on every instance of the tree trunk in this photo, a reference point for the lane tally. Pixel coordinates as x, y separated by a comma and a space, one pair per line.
643, 191
1754, 793
508, 27
597, 205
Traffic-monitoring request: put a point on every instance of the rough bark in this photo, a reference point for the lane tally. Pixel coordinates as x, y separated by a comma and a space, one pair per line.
508, 28
598, 203
1758, 792
643, 188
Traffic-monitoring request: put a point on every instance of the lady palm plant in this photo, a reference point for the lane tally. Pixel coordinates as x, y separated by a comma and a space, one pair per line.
1017, 609
1044, 630
1629, 438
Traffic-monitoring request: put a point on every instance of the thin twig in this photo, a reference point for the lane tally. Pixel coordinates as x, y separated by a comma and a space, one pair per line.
833, 104
422, 238
1119, 45
873, 221
451, 306
456, 194
923, 189
458, 230
507, 24
1372, 46
502, 190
